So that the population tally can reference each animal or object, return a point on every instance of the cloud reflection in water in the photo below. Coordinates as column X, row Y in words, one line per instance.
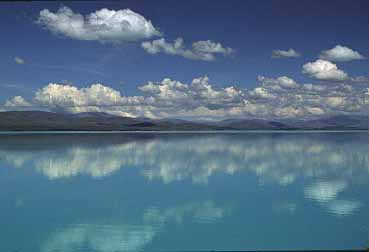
column 329, row 163
column 321, row 168
column 123, row 237
column 280, row 159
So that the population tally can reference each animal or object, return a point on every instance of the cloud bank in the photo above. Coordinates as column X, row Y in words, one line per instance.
column 280, row 97
column 201, row 50
column 102, row 25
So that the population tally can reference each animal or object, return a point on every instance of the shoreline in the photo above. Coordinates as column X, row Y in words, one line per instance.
column 178, row 131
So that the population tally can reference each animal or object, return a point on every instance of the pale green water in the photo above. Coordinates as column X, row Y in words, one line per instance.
column 165, row 192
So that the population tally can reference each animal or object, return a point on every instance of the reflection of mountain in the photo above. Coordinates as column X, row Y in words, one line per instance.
column 123, row 237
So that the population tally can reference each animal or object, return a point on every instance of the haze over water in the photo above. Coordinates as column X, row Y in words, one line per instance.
column 168, row 191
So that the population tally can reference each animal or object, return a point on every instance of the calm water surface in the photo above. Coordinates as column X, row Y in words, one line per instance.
column 165, row 192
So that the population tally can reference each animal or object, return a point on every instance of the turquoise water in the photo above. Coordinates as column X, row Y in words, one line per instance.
column 168, row 191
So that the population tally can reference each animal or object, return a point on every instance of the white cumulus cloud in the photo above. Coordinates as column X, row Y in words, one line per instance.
column 340, row 53
column 17, row 102
column 324, row 70
column 201, row 50
column 102, row 25
column 96, row 97
column 278, row 83
column 290, row 53
column 19, row 61
column 70, row 96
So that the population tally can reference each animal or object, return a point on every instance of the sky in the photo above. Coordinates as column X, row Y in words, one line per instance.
column 186, row 59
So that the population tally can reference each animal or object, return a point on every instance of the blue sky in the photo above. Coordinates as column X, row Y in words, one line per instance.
column 252, row 29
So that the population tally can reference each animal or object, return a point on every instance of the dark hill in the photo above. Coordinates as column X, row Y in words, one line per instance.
column 44, row 121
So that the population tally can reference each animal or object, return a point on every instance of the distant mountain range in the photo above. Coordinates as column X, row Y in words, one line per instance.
column 96, row 121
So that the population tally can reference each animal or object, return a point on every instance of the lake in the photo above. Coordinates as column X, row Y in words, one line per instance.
column 178, row 192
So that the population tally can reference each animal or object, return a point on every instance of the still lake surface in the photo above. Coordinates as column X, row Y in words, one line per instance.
column 175, row 192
